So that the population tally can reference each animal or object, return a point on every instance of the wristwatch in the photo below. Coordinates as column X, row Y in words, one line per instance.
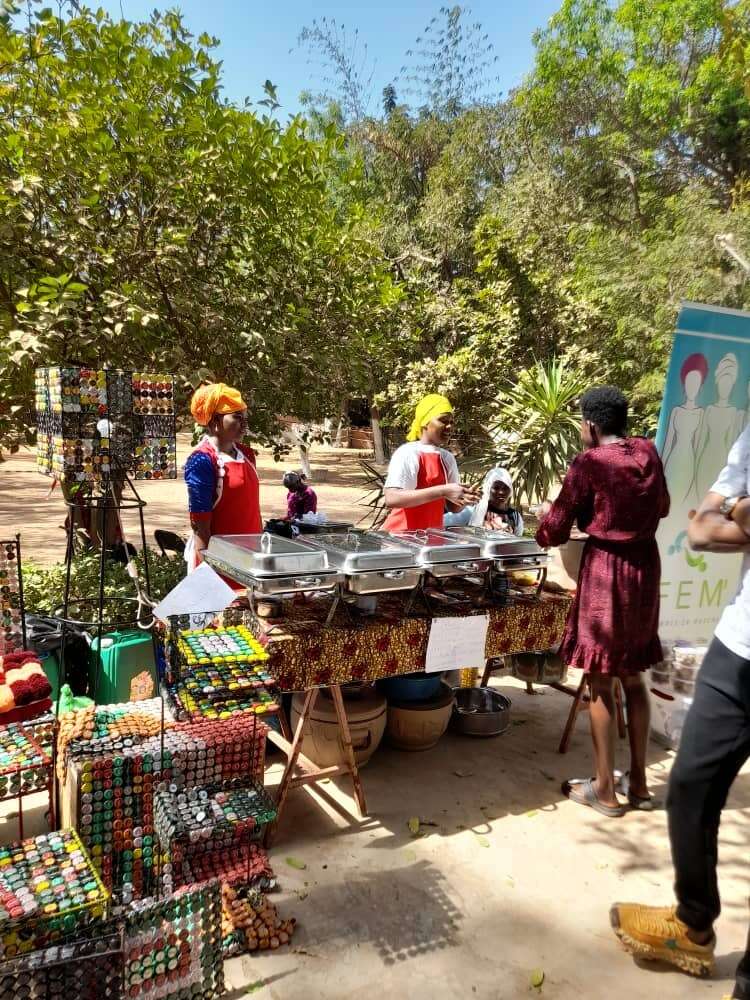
column 729, row 503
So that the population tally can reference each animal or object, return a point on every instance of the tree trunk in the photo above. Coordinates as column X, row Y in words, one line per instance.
column 304, row 459
column 377, row 436
column 338, row 441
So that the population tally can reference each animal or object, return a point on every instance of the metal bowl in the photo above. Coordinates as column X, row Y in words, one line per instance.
column 480, row 712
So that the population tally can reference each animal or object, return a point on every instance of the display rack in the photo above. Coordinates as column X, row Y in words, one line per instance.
column 173, row 946
column 90, row 969
column 25, row 768
column 94, row 424
column 12, row 617
column 217, row 673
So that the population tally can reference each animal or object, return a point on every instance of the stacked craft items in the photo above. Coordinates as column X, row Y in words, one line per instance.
column 219, row 673
column 88, row 969
column 119, row 777
column 11, row 597
column 95, row 423
column 204, row 829
column 173, row 946
column 49, row 890
column 25, row 768
column 24, row 688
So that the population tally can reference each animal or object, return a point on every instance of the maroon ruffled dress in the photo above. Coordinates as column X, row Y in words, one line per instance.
column 617, row 494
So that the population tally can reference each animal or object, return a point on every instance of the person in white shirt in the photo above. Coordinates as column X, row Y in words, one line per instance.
column 714, row 746
column 423, row 475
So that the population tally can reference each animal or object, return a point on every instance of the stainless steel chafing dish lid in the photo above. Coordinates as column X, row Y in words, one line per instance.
column 434, row 546
column 496, row 544
column 365, row 552
column 268, row 555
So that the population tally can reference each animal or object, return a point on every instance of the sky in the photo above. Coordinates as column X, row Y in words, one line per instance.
column 256, row 38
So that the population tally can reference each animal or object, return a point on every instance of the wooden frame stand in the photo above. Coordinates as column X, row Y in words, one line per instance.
column 309, row 772
column 581, row 701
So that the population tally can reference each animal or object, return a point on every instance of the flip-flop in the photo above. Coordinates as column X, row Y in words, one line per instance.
column 637, row 802
column 584, row 793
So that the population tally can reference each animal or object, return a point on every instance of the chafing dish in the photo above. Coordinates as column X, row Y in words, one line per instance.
column 495, row 544
column 270, row 565
column 442, row 555
column 507, row 552
column 371, row 563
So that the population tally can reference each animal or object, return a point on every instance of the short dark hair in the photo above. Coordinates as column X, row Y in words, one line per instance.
column 607, row 408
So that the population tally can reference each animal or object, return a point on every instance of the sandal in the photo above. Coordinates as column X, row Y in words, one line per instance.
column 584, row 793
column 637, row 802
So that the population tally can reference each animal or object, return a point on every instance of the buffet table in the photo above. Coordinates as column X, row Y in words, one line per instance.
column 306, row 655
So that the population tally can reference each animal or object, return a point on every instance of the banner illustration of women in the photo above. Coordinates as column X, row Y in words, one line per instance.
column 721, row 426
column 704, row 409
column 680, row 455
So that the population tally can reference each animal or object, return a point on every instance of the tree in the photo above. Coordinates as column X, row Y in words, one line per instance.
column 451, row 66
column 343, row 65
column 146, row 222
column 634, row 99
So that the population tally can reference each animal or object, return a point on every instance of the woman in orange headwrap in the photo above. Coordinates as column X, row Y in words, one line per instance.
column 223, row 488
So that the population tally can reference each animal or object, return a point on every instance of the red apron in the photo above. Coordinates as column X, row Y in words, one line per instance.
column 427, row 515
column 237, row 511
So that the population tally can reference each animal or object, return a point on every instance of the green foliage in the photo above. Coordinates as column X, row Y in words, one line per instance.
column 44, row 586
column 536, row 429
column 448, row 243
column 147, row 222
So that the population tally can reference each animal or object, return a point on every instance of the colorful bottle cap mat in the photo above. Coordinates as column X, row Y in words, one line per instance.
column 200, row 818
column 173, row 946
column 48, row 888
column 89, row 969
column 25, row 767
column 219, row 646
column 11, row 612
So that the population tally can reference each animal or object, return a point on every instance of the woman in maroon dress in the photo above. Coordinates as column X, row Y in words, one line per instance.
column 616, row 492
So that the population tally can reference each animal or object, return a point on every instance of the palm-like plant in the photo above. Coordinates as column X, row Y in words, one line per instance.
column 536, row 428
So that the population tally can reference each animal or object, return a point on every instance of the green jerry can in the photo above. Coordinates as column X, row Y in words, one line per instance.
column 123, row 656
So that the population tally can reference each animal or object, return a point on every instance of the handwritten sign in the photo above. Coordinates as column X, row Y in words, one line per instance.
column 456, row 643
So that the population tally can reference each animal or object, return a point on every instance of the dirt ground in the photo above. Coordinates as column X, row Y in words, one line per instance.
column 511, row 878
column 26, row 506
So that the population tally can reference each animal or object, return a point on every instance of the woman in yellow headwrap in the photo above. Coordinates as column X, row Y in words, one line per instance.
column 423, row 474
column 222, row 483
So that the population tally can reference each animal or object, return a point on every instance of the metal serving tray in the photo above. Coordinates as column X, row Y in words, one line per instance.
column 267, row 555
column 496, row 544
column 276, row 586
column 383, row 581
column 364, row 551
column 372, row 563
column 442, row 555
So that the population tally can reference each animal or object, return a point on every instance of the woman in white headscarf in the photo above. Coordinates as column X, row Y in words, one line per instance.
column 493, row 511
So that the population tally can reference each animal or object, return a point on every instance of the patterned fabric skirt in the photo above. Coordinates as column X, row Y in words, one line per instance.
column 613, row 626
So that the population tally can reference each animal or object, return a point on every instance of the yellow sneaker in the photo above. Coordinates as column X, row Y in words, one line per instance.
column 657, row 934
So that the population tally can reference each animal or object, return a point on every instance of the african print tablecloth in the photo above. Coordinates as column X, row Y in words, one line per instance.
column 304, row 654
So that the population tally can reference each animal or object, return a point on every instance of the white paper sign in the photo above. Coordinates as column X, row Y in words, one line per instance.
column 201, row 591
column 456, row 642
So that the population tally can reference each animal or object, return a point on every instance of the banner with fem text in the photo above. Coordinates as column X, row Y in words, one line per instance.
column 706, row 406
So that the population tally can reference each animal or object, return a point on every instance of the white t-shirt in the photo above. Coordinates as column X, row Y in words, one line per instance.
column 403, row 468
column 733, row 629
